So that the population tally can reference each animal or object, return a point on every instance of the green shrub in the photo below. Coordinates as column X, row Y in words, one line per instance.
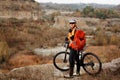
column 88, row 11
column 101, row 13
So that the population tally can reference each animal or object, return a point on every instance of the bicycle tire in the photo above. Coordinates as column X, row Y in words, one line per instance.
column 91, row 66
column 61, row 66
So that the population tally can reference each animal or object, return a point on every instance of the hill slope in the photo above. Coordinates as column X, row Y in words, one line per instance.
column 117, row 7
column 19, row 9
column 79, row 6
column 19, row 5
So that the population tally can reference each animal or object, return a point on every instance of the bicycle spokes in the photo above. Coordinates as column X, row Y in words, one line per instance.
column 61, row 61
column 91, row 64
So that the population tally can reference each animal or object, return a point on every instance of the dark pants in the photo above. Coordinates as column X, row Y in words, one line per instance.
column 74, row 56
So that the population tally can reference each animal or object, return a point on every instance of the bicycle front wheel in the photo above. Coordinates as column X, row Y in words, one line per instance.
column 92, row 64
column 61, row 61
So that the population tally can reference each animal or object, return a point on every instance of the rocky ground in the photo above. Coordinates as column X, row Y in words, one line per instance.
column 49, row 72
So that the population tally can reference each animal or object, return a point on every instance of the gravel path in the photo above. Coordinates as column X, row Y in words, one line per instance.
column 48, row 51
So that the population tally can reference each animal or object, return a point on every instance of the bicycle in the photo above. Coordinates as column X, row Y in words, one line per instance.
column 89, row 61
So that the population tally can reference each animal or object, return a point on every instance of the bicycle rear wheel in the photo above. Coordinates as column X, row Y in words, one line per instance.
column 61, row 61
column 92, row 64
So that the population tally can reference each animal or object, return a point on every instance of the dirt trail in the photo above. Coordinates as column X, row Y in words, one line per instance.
column 48, row 51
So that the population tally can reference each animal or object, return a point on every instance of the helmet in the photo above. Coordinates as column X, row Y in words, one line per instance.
column 72, row 21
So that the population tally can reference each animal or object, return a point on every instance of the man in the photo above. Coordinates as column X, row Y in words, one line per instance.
column 74, row 56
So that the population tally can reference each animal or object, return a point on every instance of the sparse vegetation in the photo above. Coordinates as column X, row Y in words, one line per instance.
column 39, row 33
column 26, row 58
column 21, row 36
column 73, row 7
column 19, row 5
column 89, row 11
column 115, row 28
column 101, row 38
column 77, row 13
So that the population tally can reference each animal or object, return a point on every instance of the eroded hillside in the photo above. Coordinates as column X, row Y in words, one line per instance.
column 23, row 29
column 19, row 9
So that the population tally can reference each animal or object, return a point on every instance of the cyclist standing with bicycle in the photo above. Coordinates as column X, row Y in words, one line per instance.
column 75, row 41
column 75, row 44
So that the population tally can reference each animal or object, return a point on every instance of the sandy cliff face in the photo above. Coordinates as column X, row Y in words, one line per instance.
column 19, row 9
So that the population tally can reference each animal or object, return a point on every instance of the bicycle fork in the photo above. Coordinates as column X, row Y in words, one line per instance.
column 65, row 58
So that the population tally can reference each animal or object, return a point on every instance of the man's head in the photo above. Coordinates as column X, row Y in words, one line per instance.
column 72, row 23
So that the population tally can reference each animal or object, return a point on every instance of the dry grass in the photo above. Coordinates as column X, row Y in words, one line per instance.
column 115, row 28
column 18, row 5
column 101, row 39
column 105, row 53
column 26, row 58
column 30, row 34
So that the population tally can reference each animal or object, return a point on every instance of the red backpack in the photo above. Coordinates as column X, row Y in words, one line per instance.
column 79, row 41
